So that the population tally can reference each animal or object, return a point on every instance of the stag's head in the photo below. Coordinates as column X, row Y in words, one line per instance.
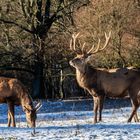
column 30, row 111
column 81, row 59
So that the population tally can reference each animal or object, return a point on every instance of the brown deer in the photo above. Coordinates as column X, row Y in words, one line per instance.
column 101, row 82
column 13, row 92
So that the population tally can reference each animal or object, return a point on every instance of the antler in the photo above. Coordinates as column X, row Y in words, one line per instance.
column 73, row 43
column 38, row 105
column 73, row 40
column 93, row 49
column 107, row 37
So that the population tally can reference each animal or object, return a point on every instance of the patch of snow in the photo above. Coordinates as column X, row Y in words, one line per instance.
column 56, row 122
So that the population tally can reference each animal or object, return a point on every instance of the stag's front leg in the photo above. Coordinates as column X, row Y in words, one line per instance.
column 11, row 114
column 101, row 103
column 95, row 100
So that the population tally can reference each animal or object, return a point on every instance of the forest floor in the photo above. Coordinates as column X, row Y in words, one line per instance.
column 73, row 120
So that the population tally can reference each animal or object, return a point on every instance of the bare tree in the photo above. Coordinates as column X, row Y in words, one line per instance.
column 35, row 19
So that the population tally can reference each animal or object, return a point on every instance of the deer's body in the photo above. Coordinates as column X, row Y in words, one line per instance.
column 100, row 82
column 8, row 91
column 13, row 92
column 116, row 84
column 112, row 84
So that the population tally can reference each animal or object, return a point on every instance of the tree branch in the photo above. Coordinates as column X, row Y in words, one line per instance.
column 16, row 69
column 16, row 24
column 60, row 8
column 47, row 8
column 39, row 10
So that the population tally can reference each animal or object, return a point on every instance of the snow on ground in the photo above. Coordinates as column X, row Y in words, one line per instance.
column 73, row 120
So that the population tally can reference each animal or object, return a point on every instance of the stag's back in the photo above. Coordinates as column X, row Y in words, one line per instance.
column 115, row 82
column 8, row 87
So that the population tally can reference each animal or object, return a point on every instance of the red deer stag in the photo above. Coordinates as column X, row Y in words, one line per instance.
column 13, row 92
column 100, row 82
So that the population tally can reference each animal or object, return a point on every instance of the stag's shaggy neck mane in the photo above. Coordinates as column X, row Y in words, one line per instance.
column 84, row 77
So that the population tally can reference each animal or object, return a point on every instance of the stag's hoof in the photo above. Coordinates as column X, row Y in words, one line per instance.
column 100, row 120
column 129, row 121
column 95, row 121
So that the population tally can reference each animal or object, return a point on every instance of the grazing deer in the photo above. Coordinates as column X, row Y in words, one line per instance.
column 100, row 82
column 13, row 92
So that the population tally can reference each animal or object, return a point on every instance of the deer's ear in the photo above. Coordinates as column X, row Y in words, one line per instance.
column 26, row 108
column 88, row 58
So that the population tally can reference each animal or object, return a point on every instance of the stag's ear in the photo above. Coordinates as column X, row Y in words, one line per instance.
column 88, row 57
column 25, row 108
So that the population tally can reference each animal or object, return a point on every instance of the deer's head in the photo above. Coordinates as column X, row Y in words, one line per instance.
column 81, row 59
column 30, row 111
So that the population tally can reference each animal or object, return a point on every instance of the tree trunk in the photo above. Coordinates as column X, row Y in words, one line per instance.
column 61, row 90
column 38, row 82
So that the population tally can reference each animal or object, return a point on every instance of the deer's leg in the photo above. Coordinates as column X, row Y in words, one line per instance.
column 135, row 106
column 136, row 119
column 11, row 114
column 136, row 115
column 9, row 118
column 101, row 102
column 95, row 100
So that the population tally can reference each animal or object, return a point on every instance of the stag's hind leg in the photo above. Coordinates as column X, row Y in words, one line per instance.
column 11, row 118
column 136, row 119
column 135, row 106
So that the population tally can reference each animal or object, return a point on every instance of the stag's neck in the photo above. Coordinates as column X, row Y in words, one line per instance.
column 80, row 74
column 85, row 76
column 26, row 100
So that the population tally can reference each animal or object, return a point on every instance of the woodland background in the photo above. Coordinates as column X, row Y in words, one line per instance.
column 35, row 36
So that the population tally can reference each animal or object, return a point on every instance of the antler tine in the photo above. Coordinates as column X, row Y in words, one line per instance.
column 71, row 44
column 97, row 48
column 74, row 36
column 93, row 46
column 83, row 47
column 38, row 105
column 107, row 37
column 107, row 40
